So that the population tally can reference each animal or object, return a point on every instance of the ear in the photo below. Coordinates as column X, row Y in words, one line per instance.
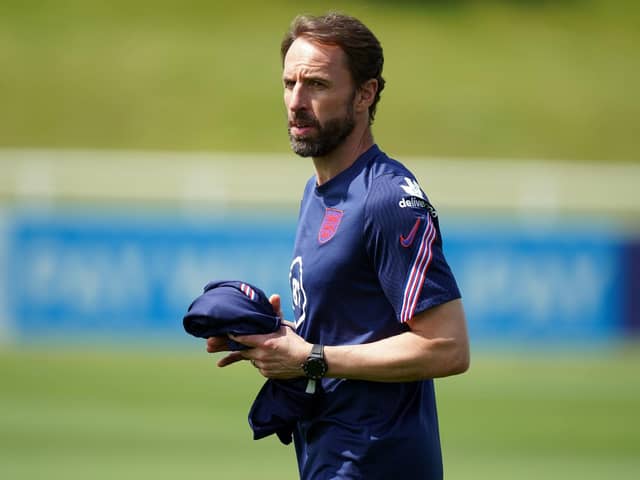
column 366, row 95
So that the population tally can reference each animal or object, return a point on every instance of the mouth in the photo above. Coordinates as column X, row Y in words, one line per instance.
column 300, row 130
column 301, row 127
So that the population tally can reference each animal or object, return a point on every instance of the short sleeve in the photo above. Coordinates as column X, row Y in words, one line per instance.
column 404, row 244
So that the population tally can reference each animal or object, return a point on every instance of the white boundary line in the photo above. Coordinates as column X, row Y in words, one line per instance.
column 235, row 179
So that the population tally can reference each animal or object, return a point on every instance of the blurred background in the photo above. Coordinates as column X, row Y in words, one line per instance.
column 143, row 152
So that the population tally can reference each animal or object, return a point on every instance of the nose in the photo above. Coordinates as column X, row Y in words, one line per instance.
column 296, row 98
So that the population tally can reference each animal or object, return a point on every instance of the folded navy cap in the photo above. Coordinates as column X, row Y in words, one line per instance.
column 230, row 306
column 240, row 308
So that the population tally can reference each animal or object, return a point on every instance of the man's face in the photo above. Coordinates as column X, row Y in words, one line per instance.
column 319, row 95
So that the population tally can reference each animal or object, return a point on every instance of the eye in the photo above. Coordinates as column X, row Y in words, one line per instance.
column 288, row 84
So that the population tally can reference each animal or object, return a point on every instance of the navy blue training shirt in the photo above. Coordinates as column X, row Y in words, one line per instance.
column 367, row 258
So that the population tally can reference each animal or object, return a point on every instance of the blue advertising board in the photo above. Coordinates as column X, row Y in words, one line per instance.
column 116, row 274
column 549, row 285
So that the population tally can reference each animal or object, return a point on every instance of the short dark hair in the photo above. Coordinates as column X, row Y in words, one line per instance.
column 364, row 52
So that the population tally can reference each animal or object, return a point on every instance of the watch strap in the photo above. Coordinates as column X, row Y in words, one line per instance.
column 317, row 350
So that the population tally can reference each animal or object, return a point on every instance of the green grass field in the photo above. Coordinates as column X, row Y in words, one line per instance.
column 170, row 413
column 495, row 78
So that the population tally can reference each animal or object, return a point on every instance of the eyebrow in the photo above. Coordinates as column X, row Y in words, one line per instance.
column 307, row 78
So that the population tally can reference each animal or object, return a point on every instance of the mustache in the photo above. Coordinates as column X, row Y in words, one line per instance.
column 303, row 118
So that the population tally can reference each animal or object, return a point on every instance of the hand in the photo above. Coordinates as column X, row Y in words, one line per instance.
column 277, row 309
column 276, row 355
column 217, row 344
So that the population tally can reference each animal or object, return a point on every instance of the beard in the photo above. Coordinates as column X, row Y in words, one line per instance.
column 329, row 136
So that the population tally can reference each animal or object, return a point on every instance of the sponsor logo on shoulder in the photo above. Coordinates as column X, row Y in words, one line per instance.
column 413, row 202
column 412, row 188
column 416, row 197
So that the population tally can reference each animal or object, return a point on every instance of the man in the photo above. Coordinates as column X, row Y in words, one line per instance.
column 378, row 314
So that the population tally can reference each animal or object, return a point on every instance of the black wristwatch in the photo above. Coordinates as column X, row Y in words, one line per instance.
column 315, row 367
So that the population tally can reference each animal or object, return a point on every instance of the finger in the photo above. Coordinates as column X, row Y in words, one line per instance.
column 276, row 303
column 249, row 340
column 216, row 340
column 217, row 344
column 229, row 359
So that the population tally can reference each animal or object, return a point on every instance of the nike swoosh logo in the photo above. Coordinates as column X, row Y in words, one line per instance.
column 408, row 240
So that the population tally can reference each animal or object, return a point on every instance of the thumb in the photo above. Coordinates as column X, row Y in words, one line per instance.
column 276, row 304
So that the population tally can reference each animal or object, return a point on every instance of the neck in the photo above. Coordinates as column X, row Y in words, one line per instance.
column 344, row 155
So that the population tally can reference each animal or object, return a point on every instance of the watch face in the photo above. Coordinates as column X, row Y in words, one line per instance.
column 315, row 368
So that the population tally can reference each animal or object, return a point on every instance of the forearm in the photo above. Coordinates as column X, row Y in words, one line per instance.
column 436, row 346
column 401, row 358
